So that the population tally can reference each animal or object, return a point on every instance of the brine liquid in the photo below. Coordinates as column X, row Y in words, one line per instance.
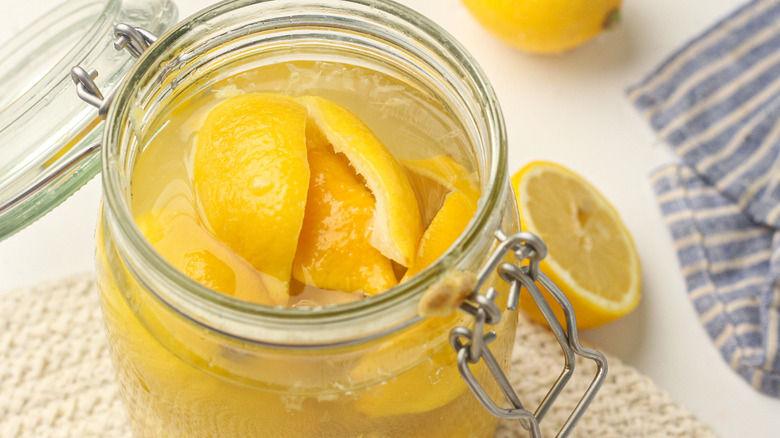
column 407, row 121
column 179, row 379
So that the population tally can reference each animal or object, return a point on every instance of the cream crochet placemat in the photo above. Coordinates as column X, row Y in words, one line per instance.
column 56, row 378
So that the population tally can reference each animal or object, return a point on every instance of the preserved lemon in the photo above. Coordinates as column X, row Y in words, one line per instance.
column 252, row 177
column 333, row 250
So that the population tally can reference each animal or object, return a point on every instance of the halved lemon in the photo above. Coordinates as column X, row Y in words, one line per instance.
column 591, row 255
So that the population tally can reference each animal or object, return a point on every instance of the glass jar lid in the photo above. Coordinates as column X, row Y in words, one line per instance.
column 48, row 136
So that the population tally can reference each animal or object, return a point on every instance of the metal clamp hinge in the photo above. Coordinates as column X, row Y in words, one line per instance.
column 135, row 40
column 471, row 345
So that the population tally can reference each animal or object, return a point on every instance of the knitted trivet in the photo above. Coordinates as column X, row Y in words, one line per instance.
column 56, row 378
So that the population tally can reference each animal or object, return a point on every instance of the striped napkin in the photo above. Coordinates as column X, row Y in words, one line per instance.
column 716, row 103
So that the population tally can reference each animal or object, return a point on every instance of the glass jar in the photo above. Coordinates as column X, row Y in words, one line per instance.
column 192, row 362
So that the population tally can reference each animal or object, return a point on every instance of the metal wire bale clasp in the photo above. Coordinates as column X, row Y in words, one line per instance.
column 471, row 345
column 133, row 39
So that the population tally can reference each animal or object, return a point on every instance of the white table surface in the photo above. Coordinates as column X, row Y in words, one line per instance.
column 570, row 109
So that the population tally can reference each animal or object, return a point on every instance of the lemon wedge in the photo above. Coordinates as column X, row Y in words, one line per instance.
column 436, row 176
column 435, row 381
column 397, row 224
column 591, row 255
column 251, row 177
column 333, row 249
column 181, row 240
column 444, row 229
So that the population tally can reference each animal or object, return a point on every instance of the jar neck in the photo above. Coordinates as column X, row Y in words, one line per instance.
column 377, row 34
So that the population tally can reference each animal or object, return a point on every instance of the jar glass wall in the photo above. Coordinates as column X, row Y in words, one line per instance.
column 193, row 362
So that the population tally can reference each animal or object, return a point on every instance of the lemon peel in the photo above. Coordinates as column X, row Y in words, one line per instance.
column 450, row 221
column 444, row 171
column 442, row 174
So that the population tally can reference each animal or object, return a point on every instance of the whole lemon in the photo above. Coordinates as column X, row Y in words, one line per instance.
column 545, row 26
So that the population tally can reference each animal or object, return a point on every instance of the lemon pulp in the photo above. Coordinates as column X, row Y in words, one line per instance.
column 333, row 250
column 591, row 255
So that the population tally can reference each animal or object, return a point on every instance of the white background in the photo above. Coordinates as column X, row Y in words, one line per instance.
column 570, row 109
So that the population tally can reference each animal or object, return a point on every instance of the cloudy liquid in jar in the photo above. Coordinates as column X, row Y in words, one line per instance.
column 178, row 379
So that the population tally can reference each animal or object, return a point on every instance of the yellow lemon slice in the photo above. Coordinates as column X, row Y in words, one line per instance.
column 333, row 249
column 545, row 26
column 396, row 225
column 251, row 176
column 591, row 255
column 446, row 226
column 181, row 240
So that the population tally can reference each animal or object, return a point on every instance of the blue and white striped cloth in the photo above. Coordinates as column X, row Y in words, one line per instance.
column 716, row 102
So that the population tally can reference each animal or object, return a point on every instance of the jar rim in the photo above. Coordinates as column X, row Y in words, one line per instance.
column 230, row 307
